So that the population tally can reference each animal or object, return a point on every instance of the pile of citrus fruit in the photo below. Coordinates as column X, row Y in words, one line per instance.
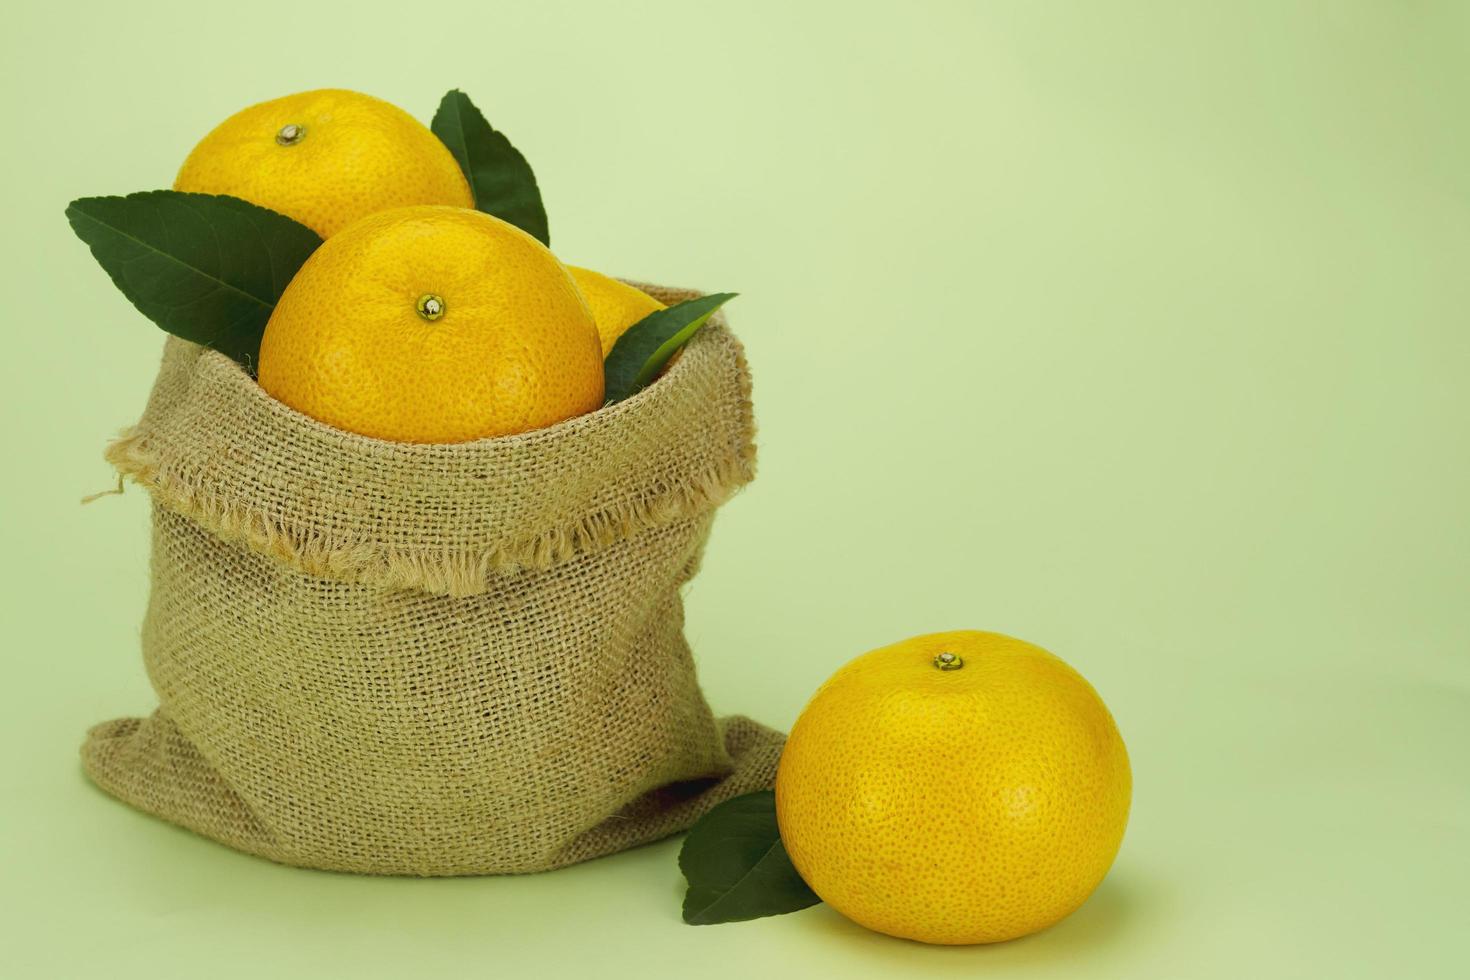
column 419, row 318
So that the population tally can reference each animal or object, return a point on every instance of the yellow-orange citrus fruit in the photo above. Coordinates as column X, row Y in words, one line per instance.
column 325, row 158
column 615, row 306
column 433, row 324
column 954, row 788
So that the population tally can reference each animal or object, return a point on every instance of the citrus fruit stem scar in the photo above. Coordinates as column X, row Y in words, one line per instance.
column 291, row 134
column 431, row 307
column 948, row 661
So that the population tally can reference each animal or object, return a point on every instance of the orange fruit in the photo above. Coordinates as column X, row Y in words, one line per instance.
column 954, row 788
column 325, row 158
column 433, row 324
column 615, row 306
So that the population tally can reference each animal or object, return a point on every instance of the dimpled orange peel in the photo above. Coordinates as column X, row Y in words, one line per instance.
column 433, row 325
column 955, row 788
column 325, row 158
column 615, row 305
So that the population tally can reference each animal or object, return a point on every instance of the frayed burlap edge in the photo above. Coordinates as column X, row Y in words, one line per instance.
column 370, row 563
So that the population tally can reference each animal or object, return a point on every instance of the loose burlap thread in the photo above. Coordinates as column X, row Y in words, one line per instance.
column 431, row 659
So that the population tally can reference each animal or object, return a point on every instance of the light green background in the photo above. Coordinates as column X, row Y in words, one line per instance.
column 1134, row 329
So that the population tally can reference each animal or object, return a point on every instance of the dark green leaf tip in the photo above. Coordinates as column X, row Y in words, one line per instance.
column 737, row 867
column 645, row 347
column 500, row 179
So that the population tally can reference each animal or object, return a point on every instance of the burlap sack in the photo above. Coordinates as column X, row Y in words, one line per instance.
column 430, row 660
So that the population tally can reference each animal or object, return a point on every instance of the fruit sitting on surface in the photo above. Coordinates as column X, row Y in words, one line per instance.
column 433, row 324
column 615, row 305
column 954, row 788
column 325, row 158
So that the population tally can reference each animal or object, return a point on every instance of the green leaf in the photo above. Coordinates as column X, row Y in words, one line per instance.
column 203, row 267
column 737, row 867
column 500, row 178
column 645, row 347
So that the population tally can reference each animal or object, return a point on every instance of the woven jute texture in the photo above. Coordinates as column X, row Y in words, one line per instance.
column 431, row 660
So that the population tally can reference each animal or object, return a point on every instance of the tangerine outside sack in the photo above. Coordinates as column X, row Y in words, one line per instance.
column 431, row 659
